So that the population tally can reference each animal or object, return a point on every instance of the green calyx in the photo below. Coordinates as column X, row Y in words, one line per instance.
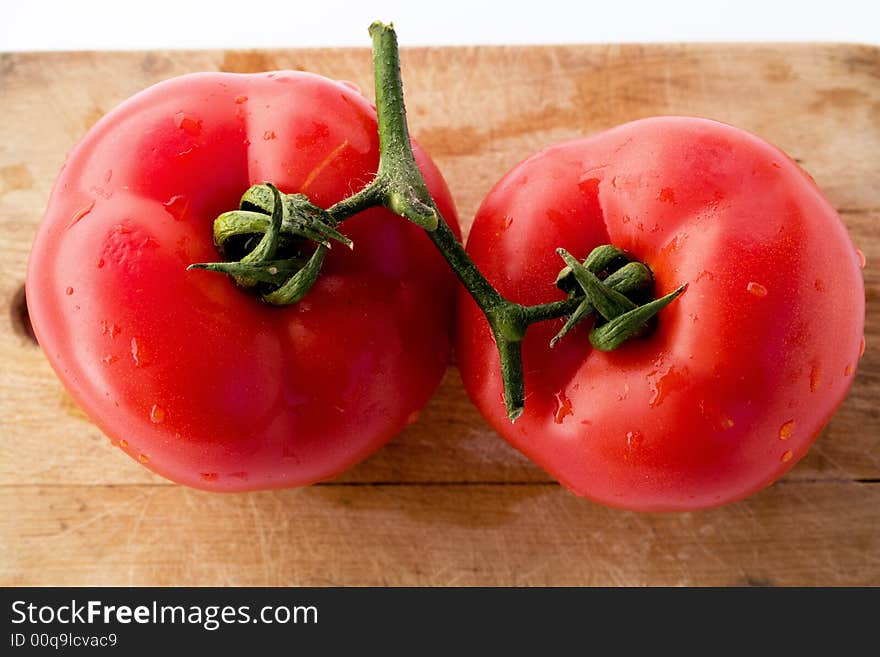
column 269, row 223
column 612, row 299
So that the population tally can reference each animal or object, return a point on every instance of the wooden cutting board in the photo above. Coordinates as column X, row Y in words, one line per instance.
column 447, row 502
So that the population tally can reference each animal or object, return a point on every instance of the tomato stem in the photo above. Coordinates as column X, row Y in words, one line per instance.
column 508, row 321
column 606, row 284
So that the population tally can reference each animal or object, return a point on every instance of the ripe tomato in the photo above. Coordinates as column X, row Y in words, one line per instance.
column 197, row 379
column 742, row 371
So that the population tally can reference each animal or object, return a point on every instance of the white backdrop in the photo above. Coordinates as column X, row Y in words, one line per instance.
column 126, row 24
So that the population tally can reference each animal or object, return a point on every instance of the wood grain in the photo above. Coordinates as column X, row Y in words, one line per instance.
column 532, row 534
column 447, row 502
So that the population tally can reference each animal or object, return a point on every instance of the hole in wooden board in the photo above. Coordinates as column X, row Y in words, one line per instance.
column 21, row 319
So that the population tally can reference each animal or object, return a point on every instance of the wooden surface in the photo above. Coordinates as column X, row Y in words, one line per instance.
column 447, row 502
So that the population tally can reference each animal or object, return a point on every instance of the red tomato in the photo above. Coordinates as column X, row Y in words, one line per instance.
column 195, row 378
column 742, row 371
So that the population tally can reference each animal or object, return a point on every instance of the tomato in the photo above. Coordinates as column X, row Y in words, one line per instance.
column 190, row 375
column 742, row 370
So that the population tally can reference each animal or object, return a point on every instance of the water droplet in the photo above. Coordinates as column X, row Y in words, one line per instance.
column 563, row 407
column 848, row 369
column 589, row 184
column 667, row 382
column 786, row 456
column 82, row 212
column 190, row 124
column 860, row 255
column 786, row 430
column 123, row 443
column 814, row 379
column 143, row 458
column 412, row 418
column 100, row 191
column 157, row 414
column 666, row 195
column 634, row 439
column 240, row 99
column 756, row 289
column 68, row 291
column 139, row 353
column 109, row 359
column 269, row 134
column 506, row 222
column 671, row 247
column 625, row 392
column 209, row 476
column 177, row 206
column 101, row 263
column 862, row 347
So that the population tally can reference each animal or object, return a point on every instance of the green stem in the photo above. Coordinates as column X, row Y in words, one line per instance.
column 553, row 310
column 487, row 297
column 368, row 197
column 412, row 199
column 407, row 194
column 400, row 187
column 510, row 353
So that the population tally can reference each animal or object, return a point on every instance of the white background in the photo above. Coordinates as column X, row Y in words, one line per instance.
column 124, row 24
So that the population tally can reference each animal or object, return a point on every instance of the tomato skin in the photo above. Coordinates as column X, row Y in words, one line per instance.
column 197, row 379
column 743, row 370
